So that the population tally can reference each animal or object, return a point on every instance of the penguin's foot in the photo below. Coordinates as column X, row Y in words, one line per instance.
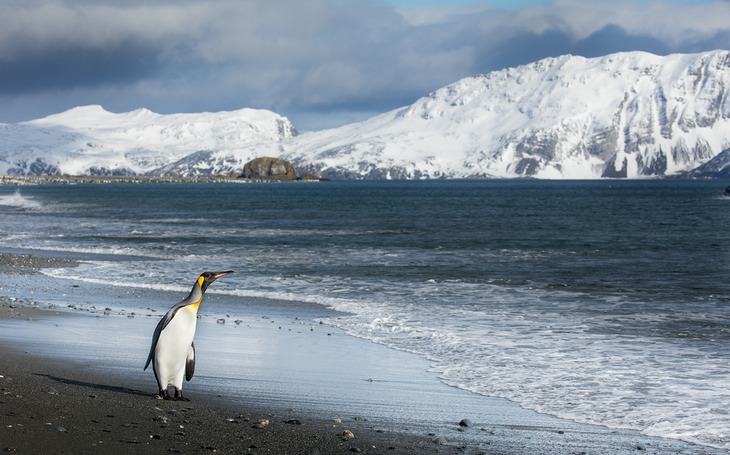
column 179, row 396
column 163, row 395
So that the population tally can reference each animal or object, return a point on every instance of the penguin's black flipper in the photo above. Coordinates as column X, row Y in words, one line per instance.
column 190, row 363
column 155, row 337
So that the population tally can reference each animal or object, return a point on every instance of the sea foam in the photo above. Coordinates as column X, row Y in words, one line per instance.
column 20, row 201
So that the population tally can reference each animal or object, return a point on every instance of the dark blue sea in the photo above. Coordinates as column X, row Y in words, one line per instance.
column 605, row 302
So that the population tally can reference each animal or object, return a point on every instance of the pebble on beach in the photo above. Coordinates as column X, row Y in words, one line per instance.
column 465, row 423
column 263, row 423
column 440, row 440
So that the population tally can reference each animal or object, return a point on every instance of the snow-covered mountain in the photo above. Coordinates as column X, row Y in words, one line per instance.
column 623, row 115
column 90, row 140
column 626, row 115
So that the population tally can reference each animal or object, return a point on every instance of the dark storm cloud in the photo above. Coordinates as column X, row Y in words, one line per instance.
column 65, row 68
column 348, row 58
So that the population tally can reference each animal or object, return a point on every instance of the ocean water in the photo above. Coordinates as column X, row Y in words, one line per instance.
column 604, row 302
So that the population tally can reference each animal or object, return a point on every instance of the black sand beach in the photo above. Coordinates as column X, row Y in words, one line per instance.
column 66, row 406
column 71, row 382
column 58, row 407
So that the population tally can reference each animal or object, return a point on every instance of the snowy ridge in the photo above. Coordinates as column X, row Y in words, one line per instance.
column 90, row 140
column 624, row 115
column 627, row 115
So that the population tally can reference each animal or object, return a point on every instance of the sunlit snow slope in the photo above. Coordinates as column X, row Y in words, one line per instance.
column 90, row 140
column 628, row 115
column 624, row 115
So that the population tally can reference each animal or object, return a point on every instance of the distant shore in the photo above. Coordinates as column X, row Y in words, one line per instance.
column 19, row 180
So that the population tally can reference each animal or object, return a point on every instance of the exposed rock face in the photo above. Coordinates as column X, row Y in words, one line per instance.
column 718, row 167
column 37, row 167
column 268, row 168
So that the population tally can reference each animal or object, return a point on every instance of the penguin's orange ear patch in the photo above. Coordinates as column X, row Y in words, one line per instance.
column 200, row 280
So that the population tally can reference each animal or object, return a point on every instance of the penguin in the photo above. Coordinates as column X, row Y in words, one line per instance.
column 172, row 352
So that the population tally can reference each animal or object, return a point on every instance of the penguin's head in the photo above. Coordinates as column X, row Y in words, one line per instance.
column 206, row 278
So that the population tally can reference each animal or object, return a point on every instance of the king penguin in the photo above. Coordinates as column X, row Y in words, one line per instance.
column 172, row 352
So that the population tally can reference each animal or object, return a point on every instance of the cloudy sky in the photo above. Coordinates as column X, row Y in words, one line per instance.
column 322, row 63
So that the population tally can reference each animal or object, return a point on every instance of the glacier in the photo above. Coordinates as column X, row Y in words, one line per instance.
column 625, row 115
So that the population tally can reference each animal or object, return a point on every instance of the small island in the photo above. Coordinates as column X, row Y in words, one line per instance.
column 267, row 168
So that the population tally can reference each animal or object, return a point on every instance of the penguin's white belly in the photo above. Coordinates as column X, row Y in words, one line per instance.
column 173, row 345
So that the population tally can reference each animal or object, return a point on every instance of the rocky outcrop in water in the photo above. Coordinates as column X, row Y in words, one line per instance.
column 268, row 168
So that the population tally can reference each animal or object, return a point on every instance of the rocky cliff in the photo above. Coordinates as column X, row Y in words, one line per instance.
column 268, row 168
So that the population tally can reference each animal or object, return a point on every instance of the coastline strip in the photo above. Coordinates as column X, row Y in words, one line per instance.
column 83, row 400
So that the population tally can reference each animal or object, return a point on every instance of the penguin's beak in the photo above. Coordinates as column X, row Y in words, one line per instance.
column 220, row 274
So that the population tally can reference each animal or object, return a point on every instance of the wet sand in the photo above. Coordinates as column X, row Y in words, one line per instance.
column 52, row 403
column 275, row 382
column 58, row 407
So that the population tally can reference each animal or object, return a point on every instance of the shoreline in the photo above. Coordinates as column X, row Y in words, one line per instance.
column 272, row 366
column 52, row 406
